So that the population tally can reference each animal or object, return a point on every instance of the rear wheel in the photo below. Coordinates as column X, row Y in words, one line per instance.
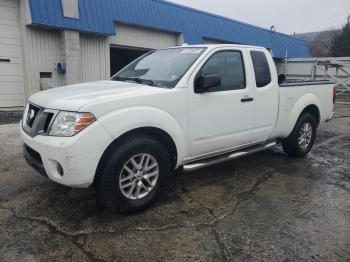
column 134, row 175
column 301, row 140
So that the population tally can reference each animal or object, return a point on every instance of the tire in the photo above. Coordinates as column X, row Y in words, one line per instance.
column 114, row 186
column 303, row 132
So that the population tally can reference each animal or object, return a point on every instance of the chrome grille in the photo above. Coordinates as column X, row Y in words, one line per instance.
column 31, row 114
column 38, row 120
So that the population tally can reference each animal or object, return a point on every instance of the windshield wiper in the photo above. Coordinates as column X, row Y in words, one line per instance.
column 137, row 80
column 144, row 81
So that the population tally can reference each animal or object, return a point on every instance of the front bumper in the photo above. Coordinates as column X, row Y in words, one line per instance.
column 78, row 156
column 33, row 159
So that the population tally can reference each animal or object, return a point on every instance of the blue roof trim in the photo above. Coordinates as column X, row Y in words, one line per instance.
column 99, row 16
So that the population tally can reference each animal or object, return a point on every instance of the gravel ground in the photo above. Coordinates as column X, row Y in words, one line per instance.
column 265, row 207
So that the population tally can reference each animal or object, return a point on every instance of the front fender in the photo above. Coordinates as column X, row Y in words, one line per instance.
column 124, row 120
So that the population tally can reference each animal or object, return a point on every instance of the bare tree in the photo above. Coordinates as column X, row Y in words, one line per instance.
column 341, row 44
column 321, row 45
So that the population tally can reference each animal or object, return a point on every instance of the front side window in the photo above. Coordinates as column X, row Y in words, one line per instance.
column 228, row 65
column 162, row 68
column 261, row 68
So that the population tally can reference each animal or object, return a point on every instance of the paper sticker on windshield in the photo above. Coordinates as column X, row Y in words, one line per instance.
column 191, row 51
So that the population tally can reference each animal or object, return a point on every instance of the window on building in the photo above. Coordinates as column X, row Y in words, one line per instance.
column 229, row 66
column 261, row 68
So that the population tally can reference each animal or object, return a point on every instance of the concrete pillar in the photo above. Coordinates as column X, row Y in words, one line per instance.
column 71, row 55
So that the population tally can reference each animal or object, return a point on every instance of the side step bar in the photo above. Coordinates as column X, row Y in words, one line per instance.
column 226, row 157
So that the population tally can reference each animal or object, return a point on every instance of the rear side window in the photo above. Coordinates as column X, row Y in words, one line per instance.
column 261, row 68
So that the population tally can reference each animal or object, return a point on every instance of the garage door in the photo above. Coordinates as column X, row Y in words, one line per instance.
column 121, row 56
column 133, row 41
column 11, row 71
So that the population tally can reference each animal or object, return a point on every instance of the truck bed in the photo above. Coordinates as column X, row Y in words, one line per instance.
column 294, row 96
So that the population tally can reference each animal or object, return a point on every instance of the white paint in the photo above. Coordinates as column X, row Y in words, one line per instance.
column 266, row 102
column 213, row 117
column 209, row 124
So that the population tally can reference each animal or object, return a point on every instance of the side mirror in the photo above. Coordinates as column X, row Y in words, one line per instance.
column 204, row 83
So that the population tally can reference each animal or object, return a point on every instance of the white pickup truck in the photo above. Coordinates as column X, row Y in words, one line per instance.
column 183, row 107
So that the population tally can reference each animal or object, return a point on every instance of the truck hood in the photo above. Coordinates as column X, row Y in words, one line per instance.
column 73, row 97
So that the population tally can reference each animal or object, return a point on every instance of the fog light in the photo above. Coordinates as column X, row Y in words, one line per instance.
column 60, row 169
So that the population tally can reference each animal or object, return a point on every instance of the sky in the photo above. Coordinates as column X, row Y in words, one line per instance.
column 288, row 16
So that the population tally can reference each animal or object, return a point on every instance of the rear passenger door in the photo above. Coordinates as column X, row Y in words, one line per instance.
column 222, row 118
column 266, row 95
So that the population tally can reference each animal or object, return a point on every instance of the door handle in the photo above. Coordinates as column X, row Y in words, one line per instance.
column 247, row 99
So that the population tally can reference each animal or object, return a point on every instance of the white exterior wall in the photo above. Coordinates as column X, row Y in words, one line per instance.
column 135, row 36
column 41, row 53
column 43, row 49
column 95, row 58
column 208, row 41
column 70, row 55
column 95, row 53
column 11, row 73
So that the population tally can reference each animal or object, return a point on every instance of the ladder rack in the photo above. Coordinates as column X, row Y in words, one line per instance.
column 340, row 64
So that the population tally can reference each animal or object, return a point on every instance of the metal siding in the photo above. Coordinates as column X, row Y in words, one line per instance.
column 94, row 55
column 11, row 73
column 42, row 53
column 129, row 35
column 99, row 16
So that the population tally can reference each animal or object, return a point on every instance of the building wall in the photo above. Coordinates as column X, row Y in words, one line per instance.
column 41, row 53
column 70, row 57
column 87, row 56
column 95, row 50
column 136, row 36
column 99, row 16
column 209, row 41
column 11, row 68
column 94, row 57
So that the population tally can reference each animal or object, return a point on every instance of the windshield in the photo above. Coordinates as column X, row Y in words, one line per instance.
column 162, row 68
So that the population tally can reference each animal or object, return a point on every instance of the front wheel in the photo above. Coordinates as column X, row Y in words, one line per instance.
column 134, row 176
column 301, row 140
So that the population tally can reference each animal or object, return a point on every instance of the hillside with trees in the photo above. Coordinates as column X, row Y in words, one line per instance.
column 330, row 42
column 341, row 43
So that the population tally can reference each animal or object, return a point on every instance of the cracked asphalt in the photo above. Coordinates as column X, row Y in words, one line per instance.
column 265, row 207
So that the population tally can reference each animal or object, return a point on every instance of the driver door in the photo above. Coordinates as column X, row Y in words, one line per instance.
column 222, row 118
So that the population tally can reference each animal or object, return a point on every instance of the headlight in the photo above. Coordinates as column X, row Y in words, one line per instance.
column 70, row 123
